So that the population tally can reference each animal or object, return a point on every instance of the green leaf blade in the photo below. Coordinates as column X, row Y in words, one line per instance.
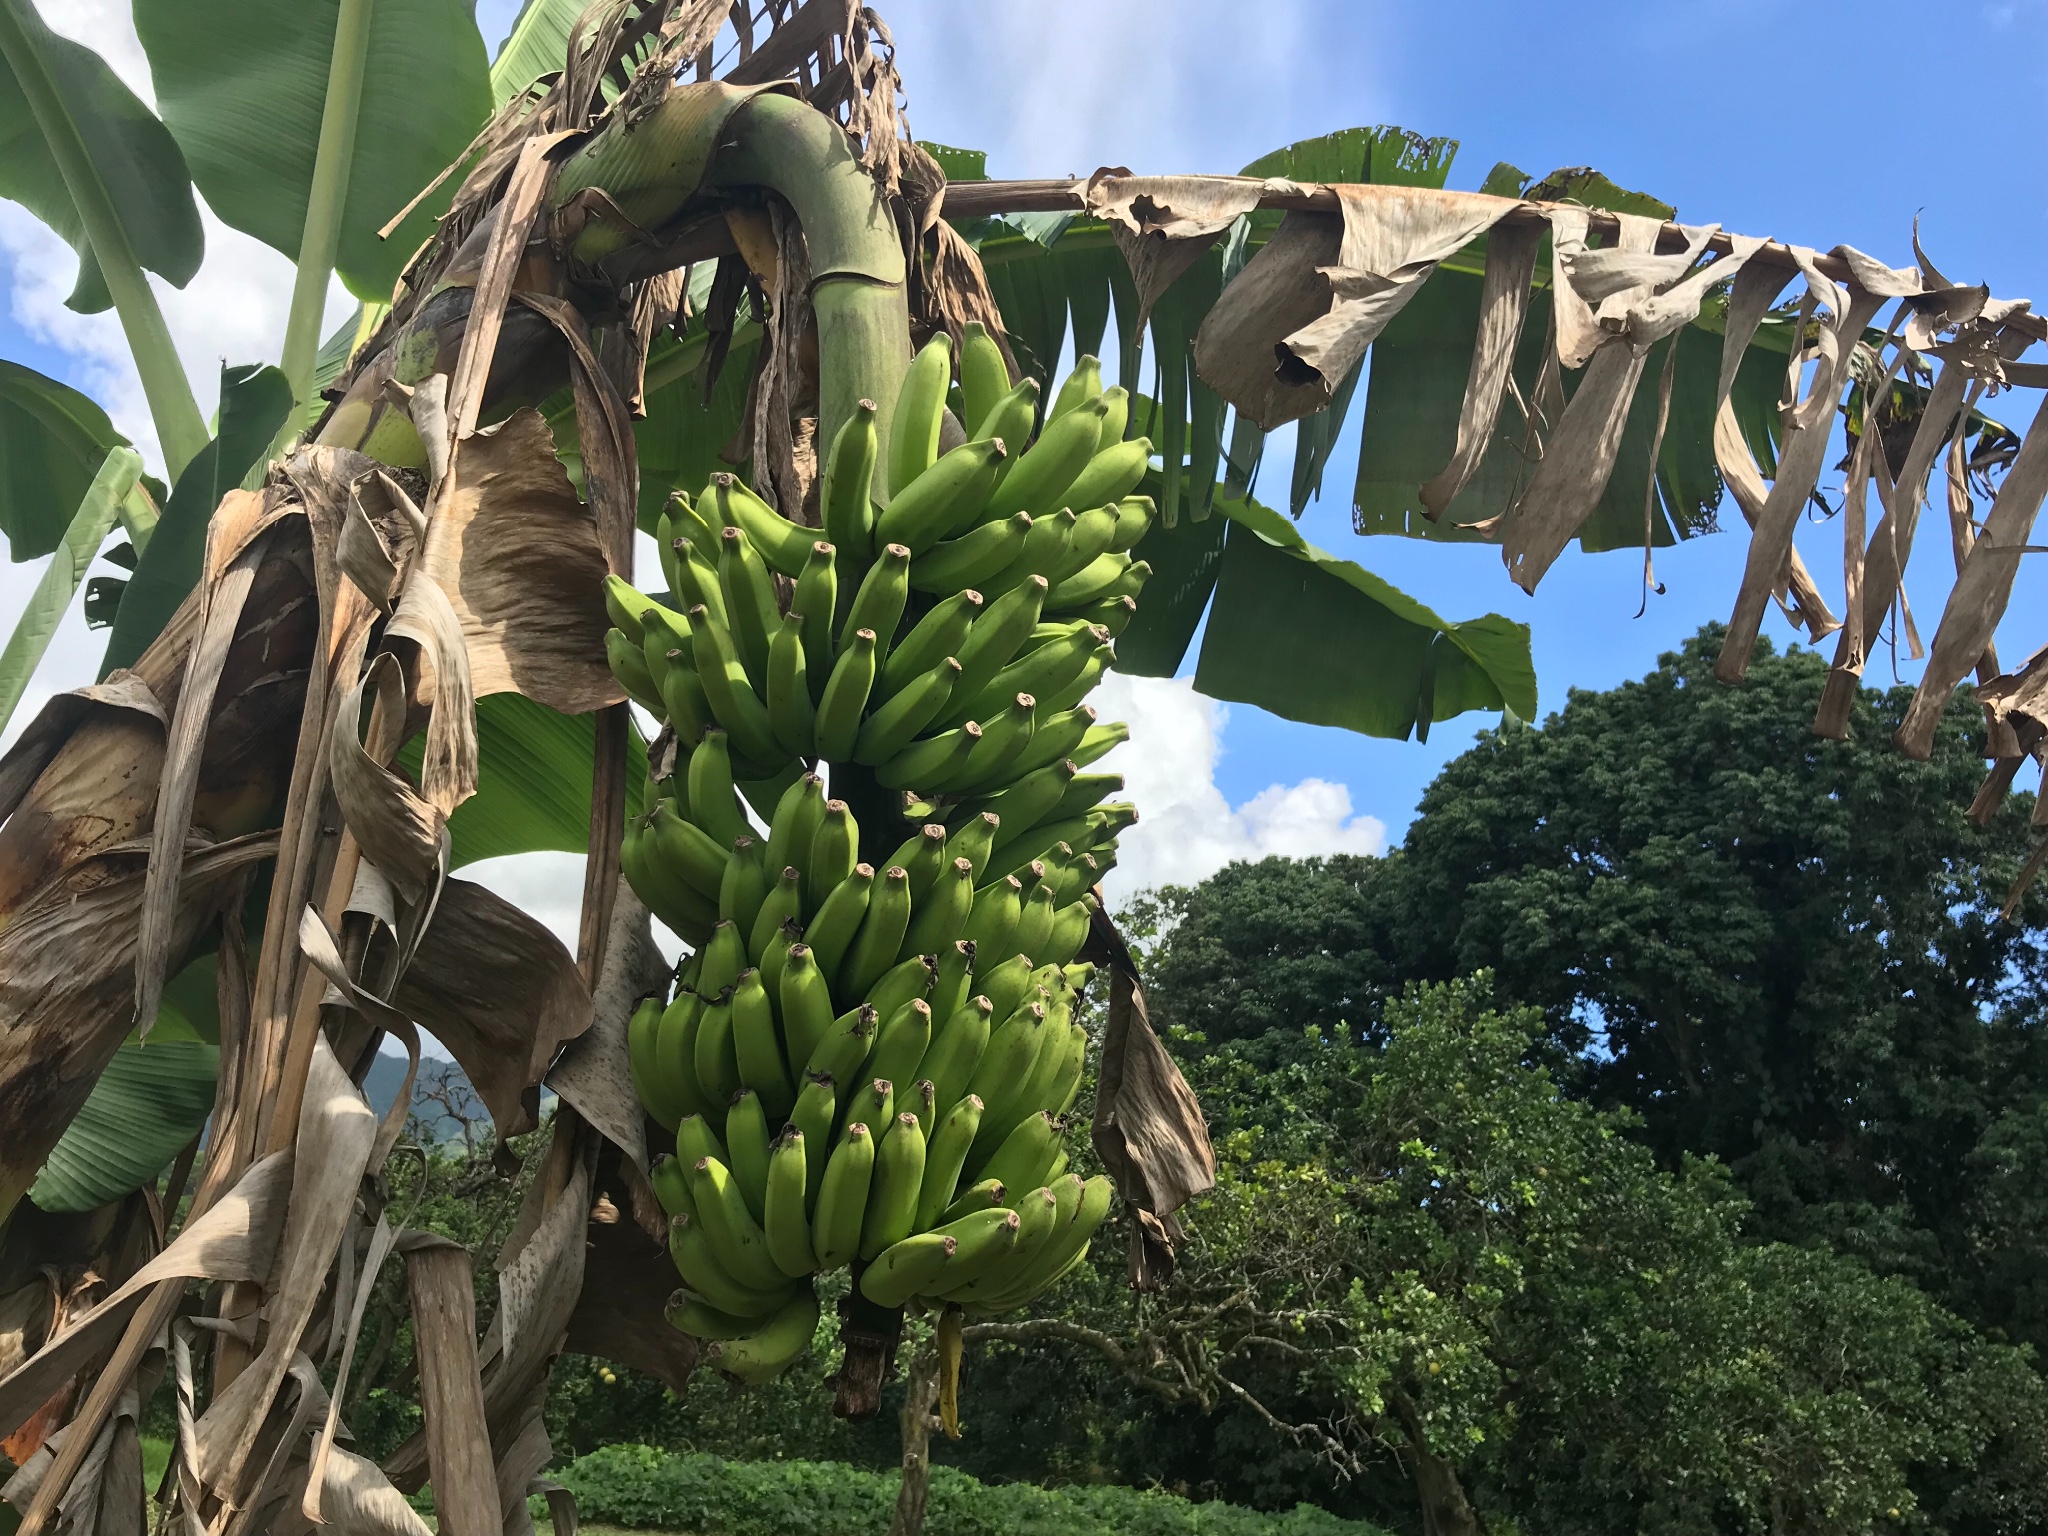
column 53, row 441
column 153, row 1098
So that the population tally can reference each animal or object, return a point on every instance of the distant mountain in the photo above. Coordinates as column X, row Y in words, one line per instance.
column 387, row 1076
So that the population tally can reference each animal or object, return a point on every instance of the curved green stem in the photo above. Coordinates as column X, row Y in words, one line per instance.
column 321, row 236
column 180, row 427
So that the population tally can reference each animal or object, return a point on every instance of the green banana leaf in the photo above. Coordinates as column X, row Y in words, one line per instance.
column 243, row 83
column 98, row 510
column 53, row 441
column 131, row 152
column 536, row 46
column 254, row 402
column 152, row 1099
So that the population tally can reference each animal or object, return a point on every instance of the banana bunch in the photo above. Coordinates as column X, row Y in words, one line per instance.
column 865, row 1061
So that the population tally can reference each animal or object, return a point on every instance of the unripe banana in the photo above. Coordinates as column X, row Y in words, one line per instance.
column 920, row 405
column 1022, row 1157
column 724, row 957
column 671, row 1186
column 785, row 1218
column 642, row 1030
column 783, row 903
column 749, row 600
column 700, row 1320
column 1134, row 516
column 1028, row 802
column 846, row 499
column 1116, row 416
column 984, row 375
column 873, row 1103
column 879, row 602
column 972, row 558
column 688, row 522
column 817, row 1110
column 757, row 1050
column 907, row 1268
column 1012, row 418
column 954, row 979
column 777, row 955
column 677, row 1093
column 689, row 1247
column 806, row 999
column 992, row 922
column 880, row 938
column 945, row 1156
column 1066, row 1085
column 1005, row 738
column 937, row 635
column 746, row 1139
column 923, row 1103
column 1113, row 614
column 1047, row 1085
column 896, row 723
column 1057, row 735
column 1076, row 688
column 630, row 668
column 1044, row 552
column 987, row 1244
column 625, row 603
column 736, row 1238
column 1133, row 580
column 696, row 579
column 1007, row 986
column 832, row 929
column 996, row 638
column 745, row 885
column 846, row 696
column 714, row 803
column 988, row 1195
column 1044, row 674
column 1039, row 482
column 941, row 917
column 713, row 1058
column 1034, row 923
column 792, row 715
column 782, row 543
column 1094, row 527
column 1100, row 741
column 795, row 823
column 1070, row 929
column 730, row 690
column 844, row 1050
column 767, row 1353
column 834, row 852
column 817, row 599
column 911, row 978
column 893, row 1191
column 1085, row 792
column 922, row 855
column 901, row 1042
column 930, row 760
column 1065, row 1251
column 843, row 1199
column 687, row 849
column 945, row 499
column 683, row 696
column 974, row 840
column 1081, row 386
column 1093, row 583
column 668, row 547
column 1112, row 474
column 998, row 1081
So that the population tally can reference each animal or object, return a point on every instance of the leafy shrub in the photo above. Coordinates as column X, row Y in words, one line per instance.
column 641, row 1487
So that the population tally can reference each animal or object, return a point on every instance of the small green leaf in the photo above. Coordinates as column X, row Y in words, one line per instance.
column 958, row 164
column 152, row 1099
column 537, row 45
column 132, row 154
column 243, row 83
column 53, row 441
column 254, row 402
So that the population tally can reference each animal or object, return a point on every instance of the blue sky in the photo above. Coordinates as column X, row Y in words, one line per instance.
column 1816, row 123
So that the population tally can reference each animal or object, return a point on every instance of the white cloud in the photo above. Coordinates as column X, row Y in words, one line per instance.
column 1187, row 828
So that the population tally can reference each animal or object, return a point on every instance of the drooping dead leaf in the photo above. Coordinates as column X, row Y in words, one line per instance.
column 400, row 832
column 594, row 1076
column 1163, row 224
column 1503, row 307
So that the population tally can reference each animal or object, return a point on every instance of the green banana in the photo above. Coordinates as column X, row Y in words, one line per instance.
column 1116, row 418
column 784, row 903
column 896, row 723
column 696, row 579
column 880, row 938
column 844, row 1050
column 690, row 524
column 920, row 406
column 893, row 1190
column 946, row 498
column 1090, row 583
column 776, row 956
column 671, row 1186
column 1134, row 516
column 794, row 824
column 782, row 543
column 929, row 760
column 1041, row 673
column 1133, row 580
column 700, row 1320
column 746, row 1138
column 1099, row 741
column 757, row 1048
column 999, row 1079
column 973, row 557
column 624, row 603
column 1070, row 929
column 941, row 917
column 846, row 499
column 1112, row 474
column 1084, row 792
column 1080, row 386
column 1021, row 1157
column 712, row 1055
column 677, row 852
column 677, row 1094
column 767, row 1353
column 846, row 696
column 907, row 979
column 873, row 1104
column 997, row 636
column 683, row 696
column 1037, row 1219
column 1079, row 1208
column 1006, row 986
column 993, row 919
column 838, row 919
column 668, row 542
column 834, row 852
column 924, row 1102
column 816, row 600
column 843, row 1199
column 957, row 1046
column 1066, row 1087
column 955, row 976
column 907, row 1268
column 714, row 803
column 1077, row 833
column 974, row 840
column 987, row 1244
column 749, row 600
column 1029, row 801
column 1012, row 418
column 792, row 715
column 988, row 1195
column 937, row 635
column 1093, row 529
column 1044, row 552
column 1046, row 1087
column 806, row 999
column 643, row 1029
column 736, row 1238
column 1113, row 614
column 879, row 603
column 630, row 668
column 922, row 855
column 901, row 1042
column 1076, row 688
column 984, row 375
column 785, row 1217
column 690, row 1249
column 744, row 887
column 1057, row 736
column 817, row 1107
column 1005, row 739
column 1039, row 482
column 945, row 1156
column 730, row 690
column 1034, row 924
